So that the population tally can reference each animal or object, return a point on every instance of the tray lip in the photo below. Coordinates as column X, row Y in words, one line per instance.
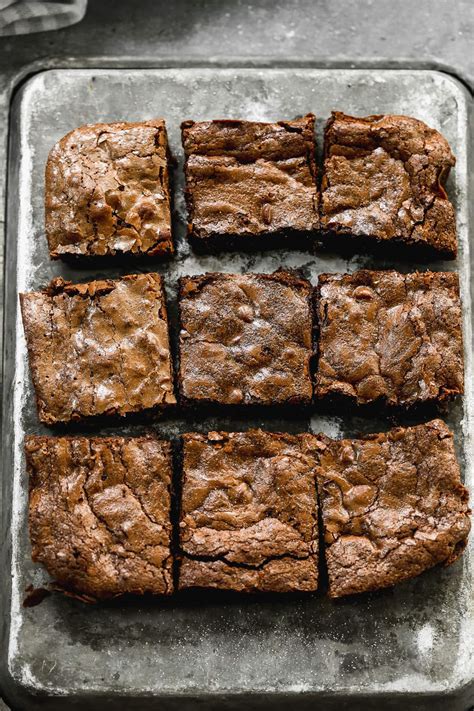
column 29, row 70
column 9, row 681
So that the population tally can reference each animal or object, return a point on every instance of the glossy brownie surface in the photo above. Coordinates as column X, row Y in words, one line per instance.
column 392, row 506
column 245, row 339
column 389, row 336
column 245, row 178
column 98, row 348
column 99, row 513
column 107, row 191
column 249, row 513
column 384, row 179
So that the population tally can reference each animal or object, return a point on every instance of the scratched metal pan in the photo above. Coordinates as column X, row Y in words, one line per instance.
column 410, row 647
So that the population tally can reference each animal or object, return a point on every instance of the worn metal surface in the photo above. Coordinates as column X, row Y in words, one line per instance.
column 411, row 645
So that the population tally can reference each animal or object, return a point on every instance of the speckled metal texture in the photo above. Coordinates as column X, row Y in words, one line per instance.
column 410, row 647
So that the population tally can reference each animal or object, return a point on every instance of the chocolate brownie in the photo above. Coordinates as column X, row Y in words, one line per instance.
column 390, row 336
column 392, row 506
column 384, row 180
column 248, row 512
column 245, row 339
column 249, row 179
column 99, row 348
column 107, row 191
column 99, row 513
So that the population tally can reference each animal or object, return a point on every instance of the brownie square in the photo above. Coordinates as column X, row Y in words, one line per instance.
column 99, row 513
column 384, row 180
column 248, row 512
column 107, row 191
column 245, row 339
column 99, row 348
column 392, row 506
column 390, row 337
column 249, row 179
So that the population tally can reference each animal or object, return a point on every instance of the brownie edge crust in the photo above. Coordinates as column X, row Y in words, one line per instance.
column 107, row 191
column 384, row 180
column 99, row 513
column 393, row 505
column 248, row 518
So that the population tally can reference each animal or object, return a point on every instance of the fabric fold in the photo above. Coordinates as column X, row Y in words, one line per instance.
column 21, row 17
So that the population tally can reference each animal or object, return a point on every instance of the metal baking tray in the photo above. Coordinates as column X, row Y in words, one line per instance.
column 410, row 647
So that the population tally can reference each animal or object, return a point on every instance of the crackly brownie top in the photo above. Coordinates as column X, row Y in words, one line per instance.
column 390, row 335
column 107, row 191
column 392, row 506
column 98, row 348
column 384, row 176
column 245, row 338
column 99, row 513
column 248, row 518
column 249, row 178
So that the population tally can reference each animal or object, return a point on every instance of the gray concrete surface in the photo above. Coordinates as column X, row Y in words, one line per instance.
column 322, row 31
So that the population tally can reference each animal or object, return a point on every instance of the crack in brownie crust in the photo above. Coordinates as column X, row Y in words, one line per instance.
column 98, row 348
column 247, row 179
column 249, row 515
column 388, row 335
column 99, row 513
column 107, row 191
column 246, row 338
column 384, row 177
column 392, row 506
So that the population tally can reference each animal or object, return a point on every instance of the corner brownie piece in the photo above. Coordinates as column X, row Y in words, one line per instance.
column 248, row 513
column 99, row 513
column 392, row 506
column 249, row 179
column 390, row 336
column 99, row 348
column 245, row 339
column 384, row 179
column 107, row 191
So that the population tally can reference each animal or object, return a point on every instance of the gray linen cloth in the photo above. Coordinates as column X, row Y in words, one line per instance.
column 20, row 17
